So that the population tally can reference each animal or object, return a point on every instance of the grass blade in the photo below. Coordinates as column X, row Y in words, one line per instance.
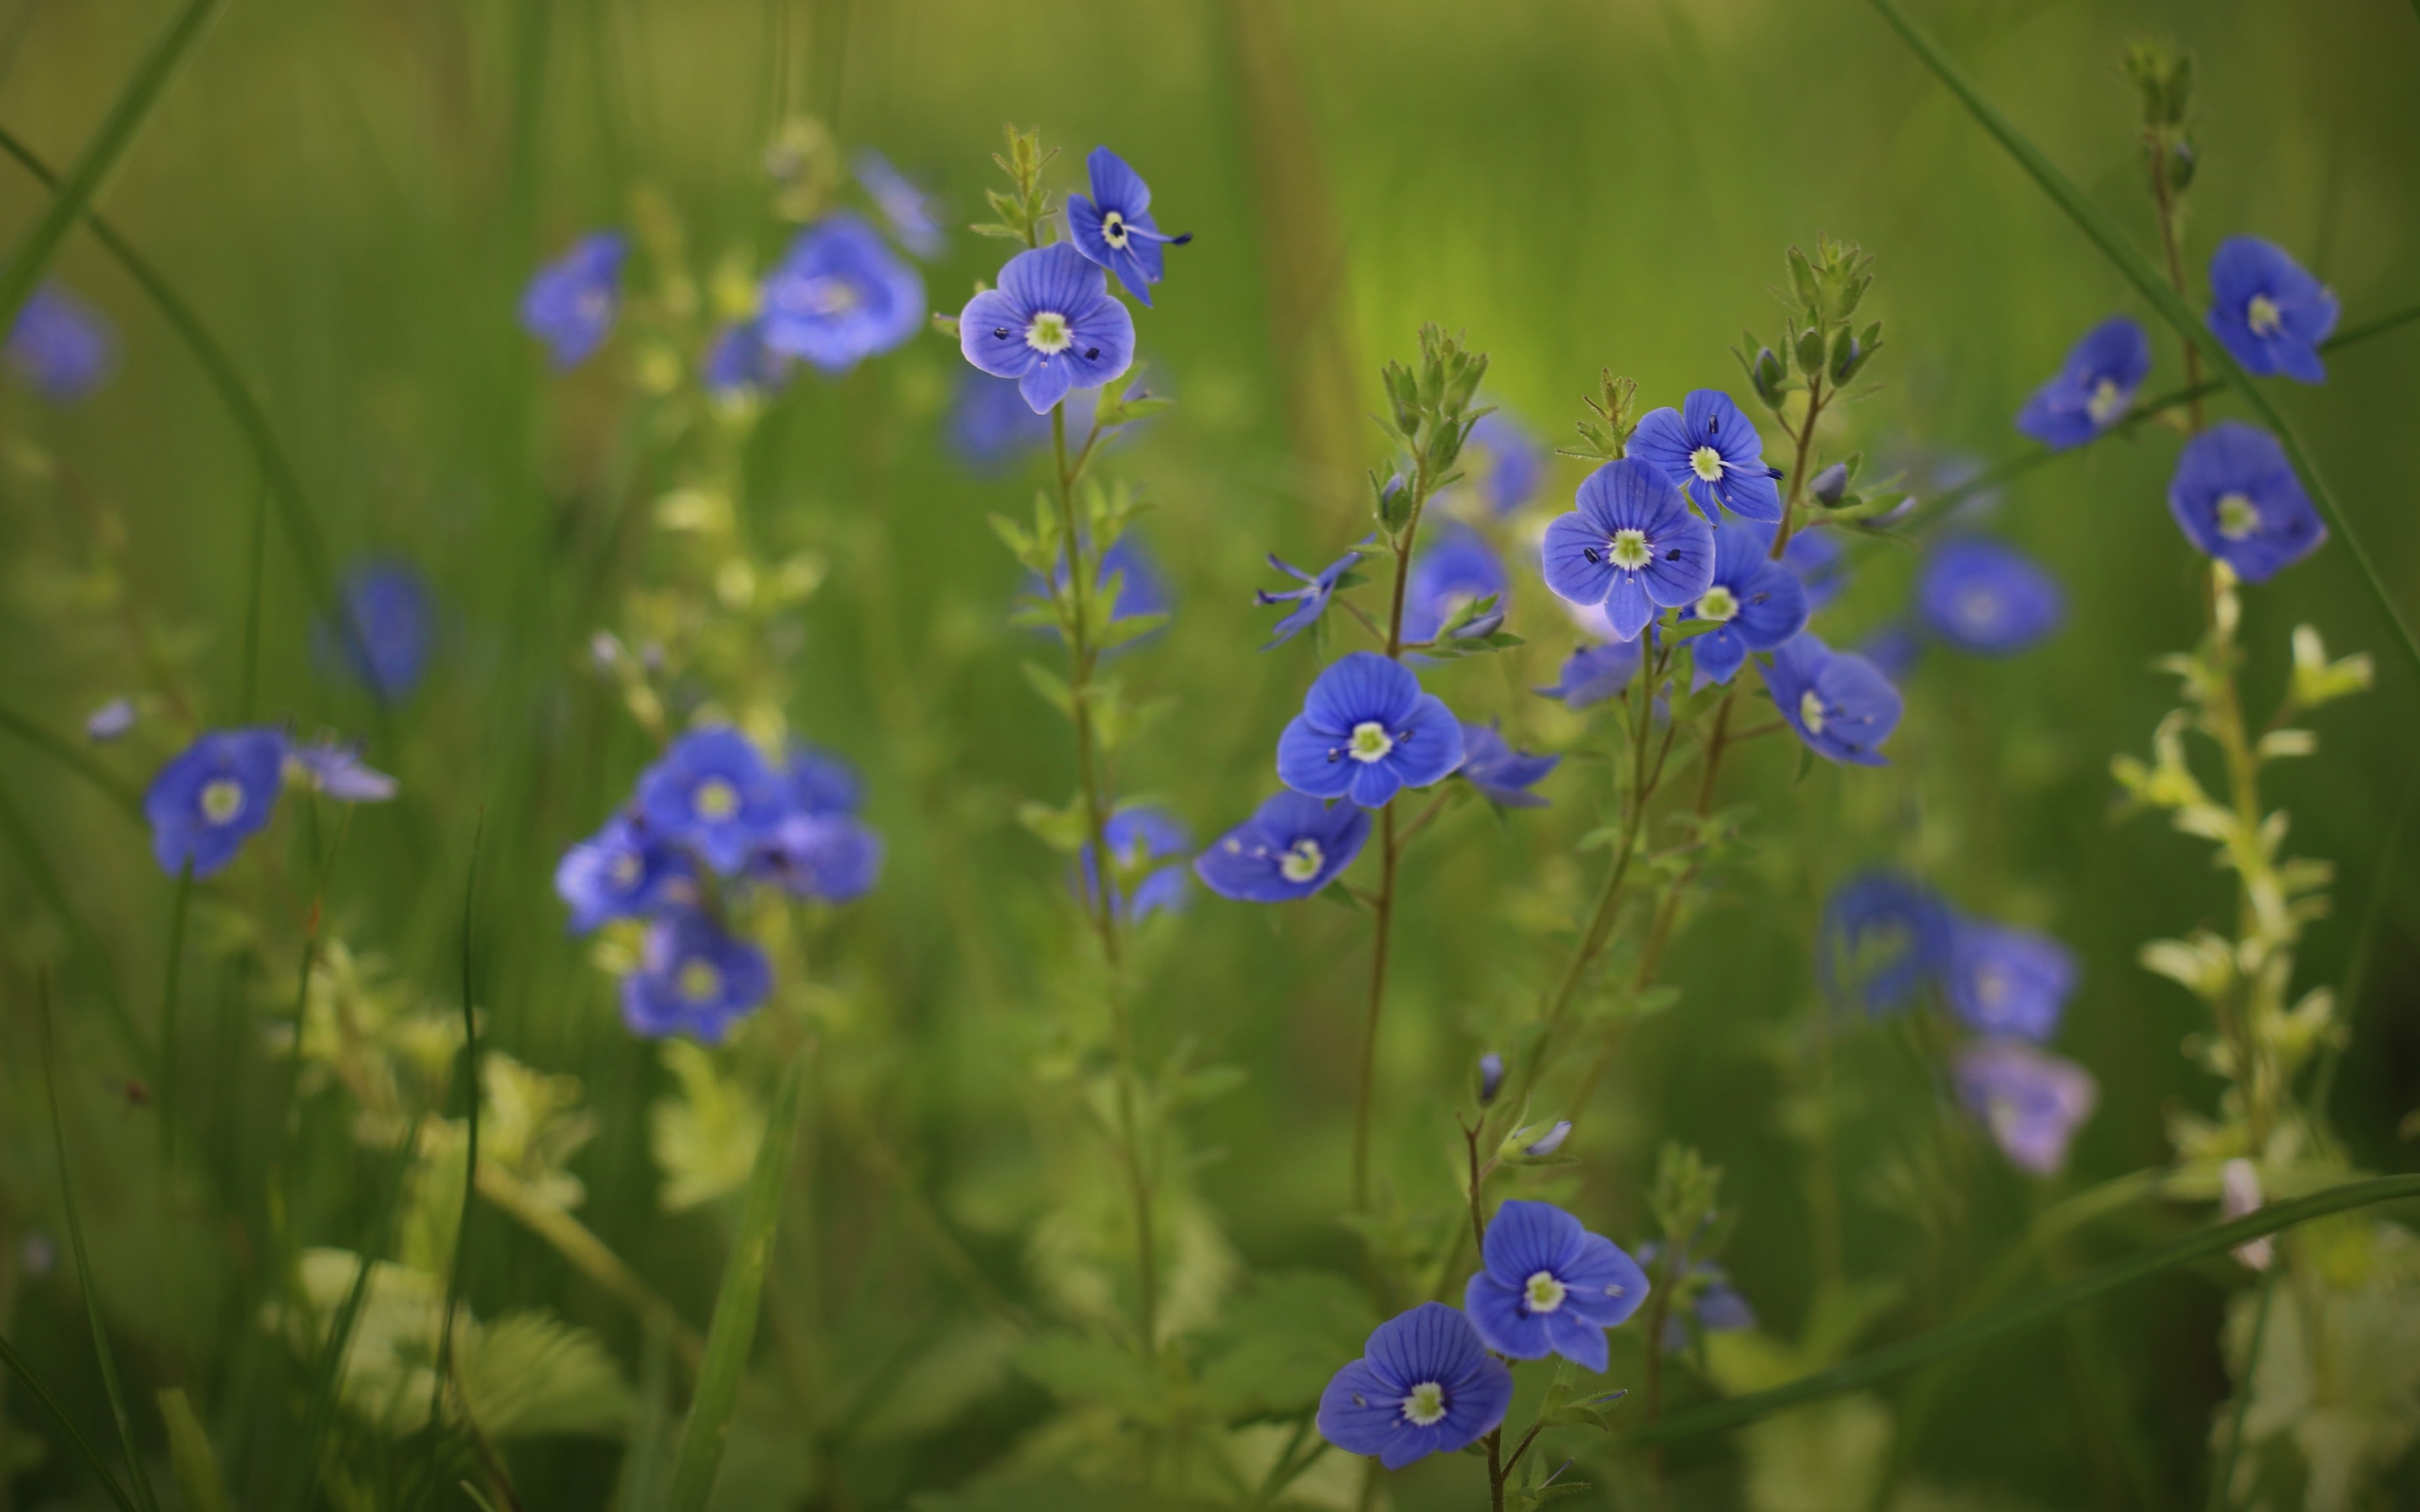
column 44, row 1399
column 81, row 763
column 733, row 1331
column 190, row 1456
column 1907, row 1354
column 46, row 882
column 470, row 1155
column 2104, row 234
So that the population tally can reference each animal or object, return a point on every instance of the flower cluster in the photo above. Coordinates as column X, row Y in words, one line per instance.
column 222, row 789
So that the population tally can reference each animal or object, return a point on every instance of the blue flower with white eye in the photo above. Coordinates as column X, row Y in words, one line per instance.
column 1840, row 706
column 832, row 858
column 1114, row 226
column 2032, row 1102
column 1502, row 775
column 60, row 346
column 1291, row 847
column 841, row 295
column 1632, row 545
column 1051, row 325
column 990, row 425
column 1885, row 935
column 739, row 362
column 622, row 871
column 2266, row 310
column 1367, row 730
column 1759, row 602
column 1988, row 598
column 1511, row 463
column 2007, row 982
column 823, row 781
column 914, row 217
column 1424, row 1385
column 1310, row 601
column 111, row 721
column 714, row 793
column 387, row 610
column 2237, row 499
column 1709, row 448
column 212, row 796
column 2093, row 387
column 693, row 980
column 1137, row 835
column 1550, row 1287
column 571, row 305
column 337, row 770
column 1458, row 568
column 1591, row 674
column 1821, row 564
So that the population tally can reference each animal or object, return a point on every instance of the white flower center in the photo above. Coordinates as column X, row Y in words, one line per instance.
column 1424, row 1404
column 1302, row 860
column 699, row 981
column 1719, row 605
column 1544, row 1292
column 1049, row 333
column 1810, row 712
column 1991, row 987
column 1629, row 550
column 821, row 297
column 1113, row 229
column 1370, row 741
column 715, row 799
column 2107, row 403
column 2237, row 517
column 2262, row 315
column 222, row 800
column 1979, row 608
column 626, row 871
column 1706, row 463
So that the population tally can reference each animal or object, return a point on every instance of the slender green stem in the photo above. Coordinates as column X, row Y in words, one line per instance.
column 471, row 1135
column 2222, row 1487
column 1496, row 1471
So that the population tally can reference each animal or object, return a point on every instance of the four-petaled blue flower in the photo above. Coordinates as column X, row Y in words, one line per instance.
column 1051, row 325
column 1137, row 835
column 2032, row 1102
column 212, row 796
column 337, row 770
column 1515, row 463
column 714, row 793
column 1759, row 602
column 388, row 629
column 741, row 364
column 914, row 217
column 1988, row 598
column 1457, row 569
column 832, row 858
column 1885, row 936
column 1550, row 1287
column 2236, row 498
column 1112, row 226
column 1591, row 674
column 621, row 871
column 2267, row 311
column 1367, row 730
column 1709, row 448
column 571, row 303
column 1424, row 1385
column 1502, row 775
column 841, row 295
column 60, row 345
column 1291, row 847
column 1840, row 706
column 1632, row 545
column 2093, row 387
column 1310, row 601
column 693, row 980
column 2007, row 981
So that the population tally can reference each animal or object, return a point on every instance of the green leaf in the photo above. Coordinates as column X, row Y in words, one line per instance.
column 189, row 1458
column 1131, row 628
column 1062, row 829
column 1052, row 687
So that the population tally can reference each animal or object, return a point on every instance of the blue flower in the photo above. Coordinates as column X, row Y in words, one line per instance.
column 1424, row 1385
column 1114, row 226
column 1716, row 1306
column 621, row 871
column 1709, row 448
column 111, row 721
column 338, row 771
column 1821, row 564
column 713, row 792
column 1836, row 700
column 2033, row 1103
column 990, row 425
column 1367, row 730
column 1136, row 835
column 832, row 858
column 215, row 795
column 1491, row 1077
column 1051, row 325
column 2267, row 311
column 823, row 781
column 1310, row 601
column 914, row 217
column 1515, row 463
column 60, row 345
column 1550, row 1287
column 1591, row 674
column 841, row 295
column 739, row 362
column 1759, row 602
column 2007, row 982
column 692, row 979
column 392, row 624
column 1291, row 847
column 2236, row 498
column 1885, row 935
column 2094, row 386
column 1632, row 545
column 571, row 303
column 1502, row 775
column 1458, row 568
column 1988, row 598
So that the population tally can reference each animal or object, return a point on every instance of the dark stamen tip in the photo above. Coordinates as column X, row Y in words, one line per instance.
column 1091, row 354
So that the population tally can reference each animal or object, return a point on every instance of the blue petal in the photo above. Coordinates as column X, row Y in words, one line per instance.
column 1628, row 606
column 1308, row 761
column 980, row 339
column 1373, row 784
column 1715, row 657
column 1428, row 744
column 1773, row 608
column 1116, row 185
column 1358, row 688
column 1570, row 539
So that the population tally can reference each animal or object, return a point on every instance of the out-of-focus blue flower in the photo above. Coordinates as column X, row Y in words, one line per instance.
column 693, row 980
column 1709, row 448
column 832, row 858
column 1511, row 463
column 914, row 217
column 1632, row 545
column 1368, row 730
column 1502, row 775
column 714, row 793
column 60, row 346
column 1988, row 598
column 1885, row 935
column 1051, row 325
column 571, row 303
column 1894, row 649
column 1591, row 674
column 1291, row 847
column 739, row 362
column 1142, row 589
column 2236, row 498
column 823, row 781
column 212, row 796
column 1759, row 602
column 111, row 721
column 1550, row 1287
column 1716, row 1306
column 1424, row 1385
column 2007, row 982
column 990, row 424
column 1491, row 1077
column 2032, row 1102
column 2093, row 386
column 2268, row 310
column 1821, row 564
column 1457, row 568
column 337, row 770
column 620, row 872
column 389, row 626
column 1113, row 226
column 1836, row 700
column 841, row 295
column 1310, row 601
column 1137, row 835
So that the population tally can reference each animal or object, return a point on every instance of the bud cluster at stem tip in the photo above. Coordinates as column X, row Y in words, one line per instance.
column 2166, row 79
column 1429, row 410
column 1820, row 340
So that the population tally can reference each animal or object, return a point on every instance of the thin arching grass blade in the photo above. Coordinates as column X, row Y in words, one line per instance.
column 733, row 1331
column 85, row 1451
column 108, row 783
column 2146, row 280
column 470, row 1155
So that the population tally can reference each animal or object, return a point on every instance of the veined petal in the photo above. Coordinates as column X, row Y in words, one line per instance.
column 1045, row 384
column 1628, row 606
column 1374, row 785
column 981, row 338
column 1571, row 539
column 1715, row 657
column 1116, row 185
column 1772, row 608
column 1428, row 744
column 1683, row 568
column 1308, row 761
column 1362, row 686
